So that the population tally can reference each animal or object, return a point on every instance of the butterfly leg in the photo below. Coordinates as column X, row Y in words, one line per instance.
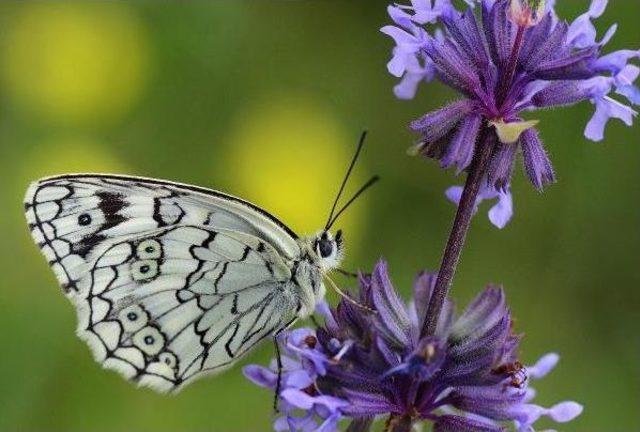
column 279, row 363
column 347, row 273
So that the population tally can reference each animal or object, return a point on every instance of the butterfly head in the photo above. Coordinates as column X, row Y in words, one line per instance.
column 329, row 249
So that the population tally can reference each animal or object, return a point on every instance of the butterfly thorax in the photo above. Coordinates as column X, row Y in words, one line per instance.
column 320, row 254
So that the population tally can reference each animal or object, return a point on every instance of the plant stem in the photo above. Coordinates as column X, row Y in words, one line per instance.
column 458, row 233
column 397, row 423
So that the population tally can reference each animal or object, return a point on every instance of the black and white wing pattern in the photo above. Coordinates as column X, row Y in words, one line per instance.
column 170, row 281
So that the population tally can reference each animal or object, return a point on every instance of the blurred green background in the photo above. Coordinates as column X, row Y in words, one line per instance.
column 266, row 100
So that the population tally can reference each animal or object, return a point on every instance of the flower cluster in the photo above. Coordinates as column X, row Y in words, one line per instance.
column 303, row 362
column 366, row 363
column 511, row 58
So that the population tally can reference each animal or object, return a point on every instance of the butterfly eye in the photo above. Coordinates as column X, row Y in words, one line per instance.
column 325, row 247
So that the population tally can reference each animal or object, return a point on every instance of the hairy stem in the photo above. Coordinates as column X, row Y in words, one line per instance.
column 397, row 423
column 458, row 233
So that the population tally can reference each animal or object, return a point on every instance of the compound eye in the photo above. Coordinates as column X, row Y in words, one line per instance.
column 325, row 247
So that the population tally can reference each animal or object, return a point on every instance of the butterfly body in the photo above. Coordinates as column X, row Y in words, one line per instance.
column 171, row 281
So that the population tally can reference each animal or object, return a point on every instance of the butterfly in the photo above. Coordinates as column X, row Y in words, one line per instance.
column 172, row 282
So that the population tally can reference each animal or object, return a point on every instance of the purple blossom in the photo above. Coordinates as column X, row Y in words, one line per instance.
column 371, row 363
column 499, row 214
column 407, row 62
column 506, row 61
column 303, row 361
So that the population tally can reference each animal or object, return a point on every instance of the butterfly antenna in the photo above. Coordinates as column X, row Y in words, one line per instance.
column 363, row 136
column 347, row 297
column 366, row 186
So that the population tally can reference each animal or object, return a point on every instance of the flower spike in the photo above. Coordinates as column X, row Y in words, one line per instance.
column 513, row 57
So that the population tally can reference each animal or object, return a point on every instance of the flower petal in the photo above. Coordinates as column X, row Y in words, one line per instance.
column 261, row 376
column 367, row 404
column 297, row 379
column 501, row 166
column 484, row 312
column 616, row 61
column 499, row 31
column 436, row 124
column 297, row 398
column 463, row 28
column 330, row 424
column 543, row 366
column 551, row 46
column 422, row 288
column 391, row 319
column 500, row 214
column 460, row 150
column 495, row 402
column 452, row 66
column 408, row 86
column 527, row 414
column 565, row 411
column 454, row 194
column 560, row 93
column 607, row 108
column 582, row 32
column 536, row 162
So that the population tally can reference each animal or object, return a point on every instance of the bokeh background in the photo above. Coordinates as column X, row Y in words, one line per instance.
column 266, row 99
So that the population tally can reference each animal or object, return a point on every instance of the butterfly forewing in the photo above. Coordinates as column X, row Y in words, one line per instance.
column 170, row 281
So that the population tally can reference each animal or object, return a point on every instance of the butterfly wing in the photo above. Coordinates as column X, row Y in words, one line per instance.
column 170, row 281
column 70, row 215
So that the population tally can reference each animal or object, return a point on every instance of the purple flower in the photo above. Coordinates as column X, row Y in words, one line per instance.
column 303, row 361
column 407, row 62
column 372, row 363
column 508, row 60
column 499, row 214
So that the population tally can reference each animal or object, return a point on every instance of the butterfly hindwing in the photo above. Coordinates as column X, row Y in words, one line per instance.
column 169, row 284
column 164, row 308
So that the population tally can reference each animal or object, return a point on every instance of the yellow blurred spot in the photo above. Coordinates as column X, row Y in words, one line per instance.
column 289, row 156
column 78, row 62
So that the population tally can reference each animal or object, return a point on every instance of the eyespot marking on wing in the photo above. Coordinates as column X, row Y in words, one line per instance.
column 178, row 312
column 133, row 318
